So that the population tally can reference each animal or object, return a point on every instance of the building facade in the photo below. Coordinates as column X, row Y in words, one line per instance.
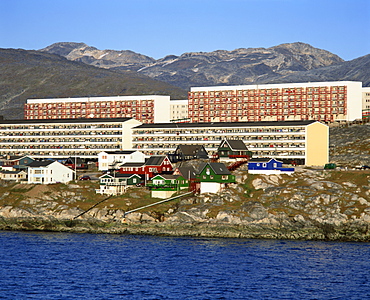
column 366, row 103
column 65, row 138
column 179, row 110
column 322, row 101
column 305, row 142
column 146, row 109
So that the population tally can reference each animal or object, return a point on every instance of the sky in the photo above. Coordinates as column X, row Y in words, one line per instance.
column 157, row 28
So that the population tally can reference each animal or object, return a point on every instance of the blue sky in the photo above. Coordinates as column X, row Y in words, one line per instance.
column 162, row 27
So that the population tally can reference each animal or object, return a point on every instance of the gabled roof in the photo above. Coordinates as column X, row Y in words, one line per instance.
column 155, row 160
column 11, row 172
column 132, row 165
column 43, row 163
column 218, row 168
column 262, row 160
column 235, row 145
column 190, row 149
column 186, row 172
column 167, row 176
column 119, row 175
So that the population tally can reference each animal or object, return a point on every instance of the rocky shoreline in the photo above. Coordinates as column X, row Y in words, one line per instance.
column 311, row 204
column 351, row 231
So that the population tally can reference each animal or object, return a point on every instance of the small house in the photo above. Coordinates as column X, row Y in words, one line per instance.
column 116, row 183
column 49, row 171
column 186, row 177
column 163, row 185
column 213, row 177
column 267, row 166
column 76, row 163
column 233, row 149
column 189, row 152
column 18, row 175
column 156, row 164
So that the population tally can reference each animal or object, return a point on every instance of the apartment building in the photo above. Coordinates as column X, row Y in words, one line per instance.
column 322, row 101
column 304, row 142
column 146, row 109
column 179, row 110
column 65, row 138
column 366, row 102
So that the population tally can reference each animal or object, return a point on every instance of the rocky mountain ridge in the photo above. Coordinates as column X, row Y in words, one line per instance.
column 221, row 67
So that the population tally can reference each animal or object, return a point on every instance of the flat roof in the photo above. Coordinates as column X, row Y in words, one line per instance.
column 272, row 86
column 58, row 121
column 226, row 124
column 97, row 99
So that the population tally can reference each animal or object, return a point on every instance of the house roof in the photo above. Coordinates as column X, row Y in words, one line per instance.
column 119, row 175
column 155, row 160
column 120, row 152
column 186, row 172
column 11, row 172
column 167, row 176
column 235, row 145
column 190, row 149
column 43, row 163
column 262, row 160
column 132, row 165
column 224, row 124
column 218, row 168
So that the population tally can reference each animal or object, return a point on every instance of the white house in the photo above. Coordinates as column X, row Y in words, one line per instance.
column 16, row 175
column 48, row 171
column 112, row 159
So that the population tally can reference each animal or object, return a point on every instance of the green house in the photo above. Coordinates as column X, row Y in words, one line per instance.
column 213, row 177
column 233, row 149
column 164, row 182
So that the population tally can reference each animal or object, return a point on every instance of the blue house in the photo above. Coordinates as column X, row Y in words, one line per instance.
column 267, row 166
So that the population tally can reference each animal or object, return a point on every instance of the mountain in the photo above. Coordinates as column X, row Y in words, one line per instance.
column 241, row 66
column 123, row 60
column 353, row 70
column 34, row 74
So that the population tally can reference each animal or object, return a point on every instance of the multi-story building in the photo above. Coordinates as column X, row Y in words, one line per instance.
column 304, row 142
column 179, row 110
column 146, row 109
column 322, row 101
column 366, row 102
column 65, row 138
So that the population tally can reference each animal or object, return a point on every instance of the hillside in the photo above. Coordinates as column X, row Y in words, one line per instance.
column 308, row 205
column 221, row 67
column 33, row 74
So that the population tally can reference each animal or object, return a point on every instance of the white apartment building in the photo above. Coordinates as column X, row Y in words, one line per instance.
column 64, row 138
column 179, row 110
column 304, row 142
column 366, row 102
column 146, row 108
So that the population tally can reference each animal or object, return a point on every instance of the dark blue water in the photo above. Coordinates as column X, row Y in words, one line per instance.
column 86, row 266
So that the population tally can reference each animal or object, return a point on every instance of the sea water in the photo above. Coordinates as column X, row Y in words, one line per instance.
column 92, row 266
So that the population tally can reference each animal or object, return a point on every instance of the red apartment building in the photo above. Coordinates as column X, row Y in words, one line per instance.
column 146, row 109
column 321, row 101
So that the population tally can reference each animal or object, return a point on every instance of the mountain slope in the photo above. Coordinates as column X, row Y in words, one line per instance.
column 33, row 74
column 221, row 67
column 354, row 70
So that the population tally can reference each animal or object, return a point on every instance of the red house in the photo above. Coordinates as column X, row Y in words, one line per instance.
column 156, row 164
